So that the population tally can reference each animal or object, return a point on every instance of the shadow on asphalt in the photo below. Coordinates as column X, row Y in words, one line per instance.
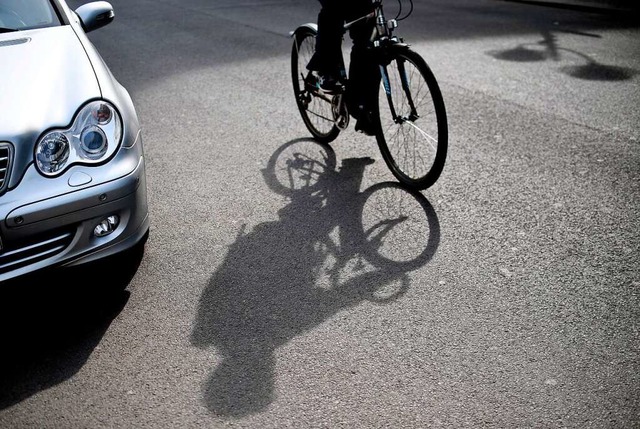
column 51, row 322
column 150, row 41
column 548, row 49
column 333, row 247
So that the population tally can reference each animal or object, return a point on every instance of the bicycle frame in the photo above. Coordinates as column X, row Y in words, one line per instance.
column 382, row 36
column 382, row 29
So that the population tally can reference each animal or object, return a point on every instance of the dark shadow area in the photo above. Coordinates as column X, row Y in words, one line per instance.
column 333, row 247
column 520, row 53
column 51, row 322
column 548, row 49
column 617, row 8
column 595, row 71
column 151, row 40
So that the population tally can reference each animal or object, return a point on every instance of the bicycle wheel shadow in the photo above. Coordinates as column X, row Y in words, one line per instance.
column 283, row 278
column 52, row 321
column 586, row 67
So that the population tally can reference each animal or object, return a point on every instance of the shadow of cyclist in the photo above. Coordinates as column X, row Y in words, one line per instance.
column 283, row 278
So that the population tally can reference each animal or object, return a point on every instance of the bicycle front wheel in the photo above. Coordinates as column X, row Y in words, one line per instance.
column 315, row 108
column 413, row 122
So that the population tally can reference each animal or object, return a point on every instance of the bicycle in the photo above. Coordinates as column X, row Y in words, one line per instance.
column 411, row 132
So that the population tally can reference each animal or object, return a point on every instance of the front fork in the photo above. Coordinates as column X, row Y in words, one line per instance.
column 404, row 80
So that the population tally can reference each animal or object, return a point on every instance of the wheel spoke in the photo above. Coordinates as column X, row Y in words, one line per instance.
column 424, row 134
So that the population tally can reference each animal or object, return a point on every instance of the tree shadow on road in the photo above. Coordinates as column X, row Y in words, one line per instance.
column 332, row 248
column 51, row 322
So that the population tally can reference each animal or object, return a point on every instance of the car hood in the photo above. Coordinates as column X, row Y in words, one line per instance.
column 45, row 76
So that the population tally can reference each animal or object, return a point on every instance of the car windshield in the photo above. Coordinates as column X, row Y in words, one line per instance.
column 26, row 14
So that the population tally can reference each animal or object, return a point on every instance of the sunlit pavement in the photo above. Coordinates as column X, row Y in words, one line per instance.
column 256, row 306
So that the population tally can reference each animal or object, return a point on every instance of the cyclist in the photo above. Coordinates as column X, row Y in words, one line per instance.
column 326, row 62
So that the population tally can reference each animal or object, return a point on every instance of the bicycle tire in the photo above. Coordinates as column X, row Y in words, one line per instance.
column 316, row 111
column 416, row 142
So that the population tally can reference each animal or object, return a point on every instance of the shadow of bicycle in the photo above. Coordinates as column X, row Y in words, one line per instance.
column 584, row 67
column 332, row 248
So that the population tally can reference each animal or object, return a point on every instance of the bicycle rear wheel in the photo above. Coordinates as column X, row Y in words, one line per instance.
column 413, row 121
column 315, row 109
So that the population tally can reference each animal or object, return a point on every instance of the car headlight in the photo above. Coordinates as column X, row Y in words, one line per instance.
column 94, row 135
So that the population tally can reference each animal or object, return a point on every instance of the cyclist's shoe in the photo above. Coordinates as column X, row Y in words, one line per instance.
column 329, row 84
column 366, row 124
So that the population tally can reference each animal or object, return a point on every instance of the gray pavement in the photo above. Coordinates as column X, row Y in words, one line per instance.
column 616, row 6
column 258, row 307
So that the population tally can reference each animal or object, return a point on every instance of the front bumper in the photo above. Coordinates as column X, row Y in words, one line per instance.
column 58, row 230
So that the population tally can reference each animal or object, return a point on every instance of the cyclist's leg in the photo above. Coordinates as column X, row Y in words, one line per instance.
column 327, row 59
column 364, row 74
column 364, row 81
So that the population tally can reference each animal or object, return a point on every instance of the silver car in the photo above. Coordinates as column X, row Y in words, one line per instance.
column 72, row 171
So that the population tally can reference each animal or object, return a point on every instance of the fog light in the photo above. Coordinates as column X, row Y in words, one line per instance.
column 107, row 226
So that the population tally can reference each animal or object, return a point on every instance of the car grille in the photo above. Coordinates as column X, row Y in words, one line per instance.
column 26, row 252
column 6, row 156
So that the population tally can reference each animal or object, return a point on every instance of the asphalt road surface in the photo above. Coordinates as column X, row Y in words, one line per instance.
column 506, row 295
